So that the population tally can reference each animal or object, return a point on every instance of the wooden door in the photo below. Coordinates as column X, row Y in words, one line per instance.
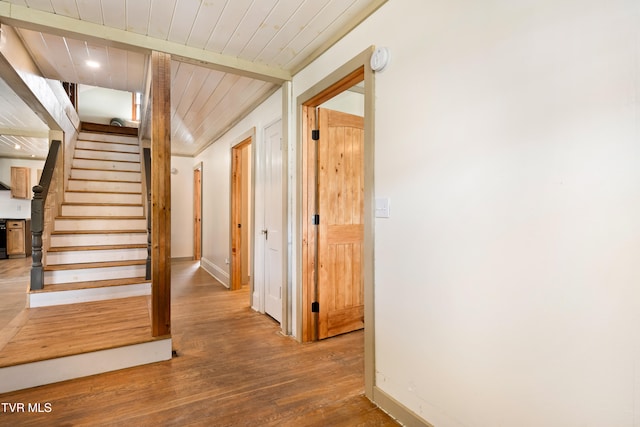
column 197, row 214
column 240, row 226
column 273, row 220
column 340, row 165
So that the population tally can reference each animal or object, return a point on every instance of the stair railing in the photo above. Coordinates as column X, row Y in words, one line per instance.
column 44, row 208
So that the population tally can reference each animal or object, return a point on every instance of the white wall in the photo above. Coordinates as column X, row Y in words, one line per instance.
column 100, row 105
column 506, row 279
column 182, row 207
column 216, row 186
column 347, row 102
column 11, row 208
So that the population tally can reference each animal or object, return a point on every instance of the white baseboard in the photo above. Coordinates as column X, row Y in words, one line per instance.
column 35, row 374
column 397, row 410
column 47, row 299
column 217, row 272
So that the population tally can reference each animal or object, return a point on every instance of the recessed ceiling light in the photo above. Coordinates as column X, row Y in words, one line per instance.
column 33, row 155
column 92, row 64
column 17, row 146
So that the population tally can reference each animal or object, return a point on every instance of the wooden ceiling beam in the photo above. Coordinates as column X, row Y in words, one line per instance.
column 51, row 23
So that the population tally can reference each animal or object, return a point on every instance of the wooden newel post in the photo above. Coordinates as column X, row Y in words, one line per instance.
column 37, row 226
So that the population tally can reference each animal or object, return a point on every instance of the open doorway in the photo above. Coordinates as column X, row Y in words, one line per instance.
column 241, row 221
column 333, row 197
column 355, row 75
column 197, row 212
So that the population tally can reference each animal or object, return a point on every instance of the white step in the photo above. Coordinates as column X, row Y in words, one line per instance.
column 107, row 146
column 103, row 137
column 102, row 175
column 95, row 239
column 35, row 374
column 105, row 165
column 99, row 210
column 76, row 296
column 83, row 185
column 115, row 198
column 91, row 274
column 99, row 224
column 106, row 155
column 95, row 255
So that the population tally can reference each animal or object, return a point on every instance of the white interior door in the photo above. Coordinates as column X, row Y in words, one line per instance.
column 272, row 232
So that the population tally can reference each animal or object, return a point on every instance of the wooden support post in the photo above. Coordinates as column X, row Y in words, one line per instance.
column 161, row 194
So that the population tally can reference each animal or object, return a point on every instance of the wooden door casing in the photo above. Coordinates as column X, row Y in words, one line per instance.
column 340, row 164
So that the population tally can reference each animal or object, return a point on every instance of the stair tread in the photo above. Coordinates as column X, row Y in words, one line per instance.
column 103, row 150
column 103, row 180
column 96, row 247
column 67, row 232
column 131, row 142
column 98, row 325
column 106, row 160
column 64, row 267
column 103, row 191
column 102, row 170
column 99, row 204
column 59, row 287
column 99, row 217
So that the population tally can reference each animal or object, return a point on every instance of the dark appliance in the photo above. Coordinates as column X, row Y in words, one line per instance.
column 3, row 238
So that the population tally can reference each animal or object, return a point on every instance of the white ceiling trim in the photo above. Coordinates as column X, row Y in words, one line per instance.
column 32, row 19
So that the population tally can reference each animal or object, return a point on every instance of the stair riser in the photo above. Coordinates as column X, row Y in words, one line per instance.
column 91, row 274
column 78, row 296
column 106, row 175
column 116, row 198
column 129, row 187
column 98, row 239
column 102, row 137
column 106, row 165
column 83, row 365
column 76, row 257
column 90, row 211
column 100, row 224
column 107, row 146
column 106, row 155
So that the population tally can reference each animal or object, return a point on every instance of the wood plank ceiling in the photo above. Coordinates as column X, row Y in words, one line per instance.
column 207, row 98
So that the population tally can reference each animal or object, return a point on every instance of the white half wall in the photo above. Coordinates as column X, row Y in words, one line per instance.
column 216, row 179
column 507, row 139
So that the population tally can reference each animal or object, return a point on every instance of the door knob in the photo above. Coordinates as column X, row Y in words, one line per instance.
column 266, row 233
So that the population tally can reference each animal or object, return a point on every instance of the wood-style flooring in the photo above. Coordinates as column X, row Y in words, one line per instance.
column 14, row 284
column 233, row 368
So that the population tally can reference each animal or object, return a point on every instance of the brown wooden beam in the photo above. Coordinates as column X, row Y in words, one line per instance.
column 161, row 194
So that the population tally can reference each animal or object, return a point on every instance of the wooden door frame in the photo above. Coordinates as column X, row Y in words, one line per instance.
column 197, row 201
column 340, row 80
column 235, row 280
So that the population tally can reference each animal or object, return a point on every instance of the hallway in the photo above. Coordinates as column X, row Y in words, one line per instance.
column 233, row 368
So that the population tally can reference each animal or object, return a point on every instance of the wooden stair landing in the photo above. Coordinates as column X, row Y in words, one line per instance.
column 45, row 333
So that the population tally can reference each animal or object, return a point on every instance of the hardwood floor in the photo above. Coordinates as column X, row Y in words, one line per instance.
column 14, row 283
column 233, row 368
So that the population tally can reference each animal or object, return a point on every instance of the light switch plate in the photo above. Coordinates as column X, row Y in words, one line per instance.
column 382, row 208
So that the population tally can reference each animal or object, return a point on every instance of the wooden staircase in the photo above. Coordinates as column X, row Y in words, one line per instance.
column 93, row 314
column 98, row 245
